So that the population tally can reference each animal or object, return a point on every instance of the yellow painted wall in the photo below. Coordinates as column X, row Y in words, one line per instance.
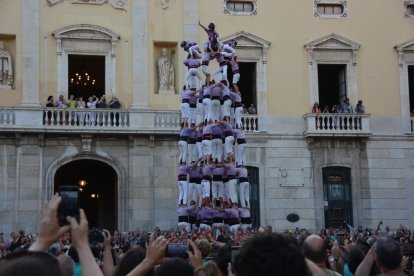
column 10, row 26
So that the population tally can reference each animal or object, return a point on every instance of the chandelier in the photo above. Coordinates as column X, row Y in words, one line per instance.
column 83, row 79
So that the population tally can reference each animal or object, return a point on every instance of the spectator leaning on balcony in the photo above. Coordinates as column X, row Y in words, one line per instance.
column 316, row 108
column 346, row 107
column 252, row 109
column 50, row 102
column 71, row 102
column 360, row 107
column 61, row 102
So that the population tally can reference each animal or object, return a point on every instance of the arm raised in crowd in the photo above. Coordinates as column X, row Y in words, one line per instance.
column 79, row 232
column 108, row 264
column 49, row 230
column 155, row 255
column 365, row 266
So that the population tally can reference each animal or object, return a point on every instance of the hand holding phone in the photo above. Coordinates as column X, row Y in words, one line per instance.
column 69, row 206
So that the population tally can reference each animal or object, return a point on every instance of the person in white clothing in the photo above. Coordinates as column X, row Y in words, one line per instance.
column 91, row 104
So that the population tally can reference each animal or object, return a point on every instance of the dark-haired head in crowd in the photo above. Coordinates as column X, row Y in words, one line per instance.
column 270, row 254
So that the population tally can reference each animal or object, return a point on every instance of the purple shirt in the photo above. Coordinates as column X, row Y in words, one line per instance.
column 207, row 213
column 218, row 214
column 235, row 98
column 185, row 132
column 216, row 130
column 207, row 130
column 232, row 213
column 193, row 212
column 244, row 213
column 184, row 211
column 207, row 91
column 219, row 58
column 212, row 35
column 208, row 169
column 183, row 169
column 239, row 134
column 226, row 127
column 192, row 63
column 230, row 169
column 186, row 94
column 201, row 94
column 225, row 91
column 193, row 99
column 206, row 58
column 195, row 172
column 218, row 171
column 234, row 66
column 200, row 133
column 216, row 91
column 242, row 172
column 192, row 134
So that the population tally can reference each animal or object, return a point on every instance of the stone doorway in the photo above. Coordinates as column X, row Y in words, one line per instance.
column 332, row 84
column 337, row 196
column 97, row 182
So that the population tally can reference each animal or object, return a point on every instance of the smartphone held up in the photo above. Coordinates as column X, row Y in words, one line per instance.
column 69, row 206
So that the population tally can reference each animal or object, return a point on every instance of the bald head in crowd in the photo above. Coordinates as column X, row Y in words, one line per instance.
column 314, row 249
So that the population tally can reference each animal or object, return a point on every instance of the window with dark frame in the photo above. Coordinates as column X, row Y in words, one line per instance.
column 330, row 9
column 410, row 10
column 239, row 6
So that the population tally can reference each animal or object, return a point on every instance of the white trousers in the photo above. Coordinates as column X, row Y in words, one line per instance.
column 184, row 225
column 200, row 111
column 234, row 228
column 194, row 51
column 193, row 78
column 185, row 110
column 193, row 115
column 207, row 109
column 225, row 109
column 183, row 188
column 205, row 186
column 228, row 144
column 237, row 116
column 245, row 227
column 192, row 192
column 192, row 152
column 217, row 151
column 217, row 188
column 236, row 78
column 244, row 194
column 199, row 147
column 232, row 189
column 241, row 154
column 215, row 110
column 182, row 147
column 207, row 149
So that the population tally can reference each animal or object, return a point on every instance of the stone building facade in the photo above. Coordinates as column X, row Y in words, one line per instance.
column 325, row 169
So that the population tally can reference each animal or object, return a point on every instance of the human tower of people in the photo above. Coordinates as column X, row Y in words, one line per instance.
column 212, row 141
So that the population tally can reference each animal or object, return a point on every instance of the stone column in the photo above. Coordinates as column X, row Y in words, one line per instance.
column 140, row 81
column 191, row 19
column 30, row 53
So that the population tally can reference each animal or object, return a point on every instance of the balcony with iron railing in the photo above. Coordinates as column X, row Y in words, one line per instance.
column 337, row 124
column 98, row 120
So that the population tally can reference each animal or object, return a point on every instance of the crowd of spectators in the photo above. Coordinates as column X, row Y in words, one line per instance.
column 83, row 114
column 341, row 107
column 73, row 248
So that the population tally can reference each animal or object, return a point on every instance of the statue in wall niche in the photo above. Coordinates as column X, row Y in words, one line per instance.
column 165, row 4
column 165, row 72
column 6, row 67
